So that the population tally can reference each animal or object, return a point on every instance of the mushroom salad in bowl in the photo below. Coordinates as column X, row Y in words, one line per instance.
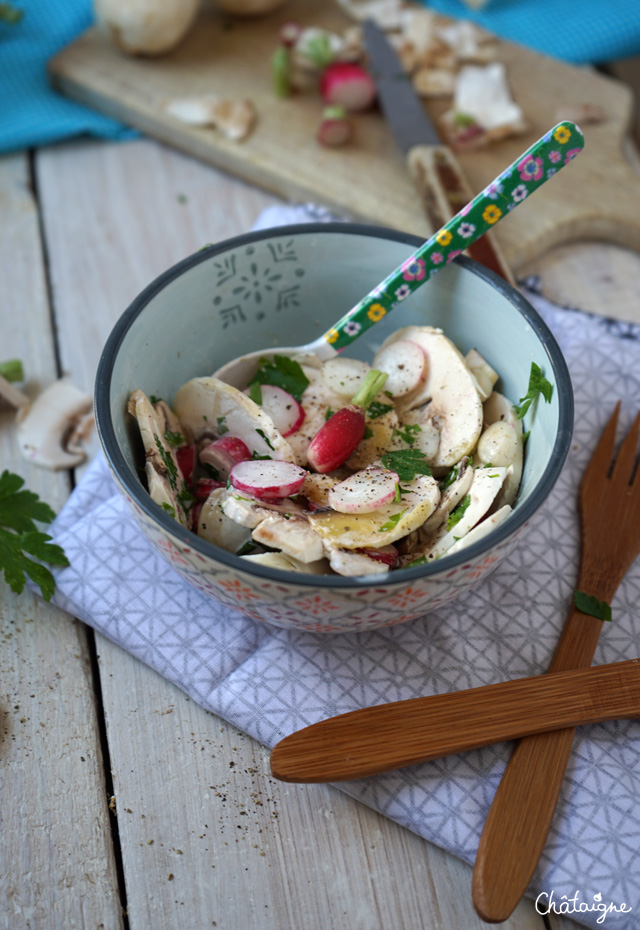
column 330, row 495
column 340, row 466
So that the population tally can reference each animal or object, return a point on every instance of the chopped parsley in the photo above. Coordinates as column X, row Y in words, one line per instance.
column 256, row 457
column 408, row 433
column 247, row 548
column 376, row 409
column 20, row 538
column 328, row 414
column 407, row 463
column 458, row 512
column 154, row 399
column 399, row 492
column 262, row 433
column 211, row 471
column 255, row 393
column 169, row 509
column 588, row 604
column 282, row 372
column 169, row 464
column 174, row 438
column 449, row 478
column 222, row 425
column 392, row 522
column 12, row 370
column 368, row 433
column 538, row 384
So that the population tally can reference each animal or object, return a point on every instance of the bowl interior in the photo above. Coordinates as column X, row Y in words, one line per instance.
column 285, row 287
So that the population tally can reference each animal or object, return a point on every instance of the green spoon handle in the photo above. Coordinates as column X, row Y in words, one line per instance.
column 527, row 173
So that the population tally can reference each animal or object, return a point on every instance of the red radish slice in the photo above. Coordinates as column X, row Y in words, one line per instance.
column 388, row 555
column 204, row 487
column 186, row 456
column 267, row 478
column 344, row 376
column 347, row 85
column 367, row 490
column 285, row 411
column 404, row 362
column 224, row 453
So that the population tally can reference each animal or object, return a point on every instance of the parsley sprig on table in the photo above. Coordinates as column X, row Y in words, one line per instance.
column 20, row 538
column 538, row 384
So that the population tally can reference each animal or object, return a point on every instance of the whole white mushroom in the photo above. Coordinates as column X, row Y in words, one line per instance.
column 146, row 27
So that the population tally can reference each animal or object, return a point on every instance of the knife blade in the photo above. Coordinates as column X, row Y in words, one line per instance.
column 434, row 168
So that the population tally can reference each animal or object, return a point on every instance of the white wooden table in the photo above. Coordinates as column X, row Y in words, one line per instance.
column 122, row 803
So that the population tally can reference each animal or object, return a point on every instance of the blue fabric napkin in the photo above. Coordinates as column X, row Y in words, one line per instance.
column 31, row 112
column 578, row 31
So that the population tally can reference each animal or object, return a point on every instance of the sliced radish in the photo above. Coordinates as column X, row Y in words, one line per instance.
column 186, row 456
column 404, row 362
column 267, row 478
column 285, row 411
column 388, row 555
column 335, row 127
column 347, row 85
column 344, row 376
column 204, row 487
column 224, row 453
column 367, row 490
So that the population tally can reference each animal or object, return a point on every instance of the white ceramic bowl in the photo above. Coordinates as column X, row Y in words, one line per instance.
column 286, row 286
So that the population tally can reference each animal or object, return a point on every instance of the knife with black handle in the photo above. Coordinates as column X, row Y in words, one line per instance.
column 434, row 167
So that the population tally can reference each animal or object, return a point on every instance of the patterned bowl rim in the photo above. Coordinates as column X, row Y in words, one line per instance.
column 521, row 514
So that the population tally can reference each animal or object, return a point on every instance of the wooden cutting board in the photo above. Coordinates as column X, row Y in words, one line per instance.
column 598, row 197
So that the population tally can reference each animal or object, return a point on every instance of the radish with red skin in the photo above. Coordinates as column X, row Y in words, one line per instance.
column 285, row 411
column 338, row 438
column 186, row 456
column 405, row 362
column 204, row 486
column 335, row 128
column 224, row 453
column 364, row 491
column 388, row 555
column 267, row 478
column 348, row 85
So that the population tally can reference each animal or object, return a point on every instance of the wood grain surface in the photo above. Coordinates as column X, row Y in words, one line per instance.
column 597, row 198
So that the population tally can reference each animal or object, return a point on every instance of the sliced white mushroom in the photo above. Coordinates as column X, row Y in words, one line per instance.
column 344, row 562
column 209, row 407
column 294, row 536
column 484, row 374
column 473, row 507
column 450, row 390
column 482, row 529
column 216, row 527
column 384, row 526
column 344, row 375
column 288, row 564
column 316, row 488
column 382, row 430
column 13, row 395
column 502, row 443
column 425, row 439
column 46, row 427
column 236, row 118
column 249, row 512
column 451, row 496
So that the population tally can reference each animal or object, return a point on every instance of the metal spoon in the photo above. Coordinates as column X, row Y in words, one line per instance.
column 527, row 173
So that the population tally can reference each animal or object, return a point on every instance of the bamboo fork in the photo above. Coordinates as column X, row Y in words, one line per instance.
column 520, row 816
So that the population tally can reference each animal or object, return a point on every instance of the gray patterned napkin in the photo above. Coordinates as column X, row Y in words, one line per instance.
column 270, row 682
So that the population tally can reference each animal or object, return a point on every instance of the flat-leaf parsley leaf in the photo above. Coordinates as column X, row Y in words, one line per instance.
column 538, row 384
column 283, row 372
column 20, row 538
column 588, row 604
column 407, row 463
column 392, row 522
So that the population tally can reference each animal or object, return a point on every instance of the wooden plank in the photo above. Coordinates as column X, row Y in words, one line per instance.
column 56, row 857
column 206, row 834
column 597, row 198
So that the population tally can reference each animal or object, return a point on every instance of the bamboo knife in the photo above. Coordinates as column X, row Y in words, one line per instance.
column 434, row 168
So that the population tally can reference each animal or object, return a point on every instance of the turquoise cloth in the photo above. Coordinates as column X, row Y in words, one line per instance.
column 32, row 113
column 578, row 31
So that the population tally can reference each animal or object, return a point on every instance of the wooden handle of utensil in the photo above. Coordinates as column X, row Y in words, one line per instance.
column 389, row 736
column 520, row 817
column 444, row 190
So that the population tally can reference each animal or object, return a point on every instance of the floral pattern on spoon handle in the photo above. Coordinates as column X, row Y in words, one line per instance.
column 527, row 173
